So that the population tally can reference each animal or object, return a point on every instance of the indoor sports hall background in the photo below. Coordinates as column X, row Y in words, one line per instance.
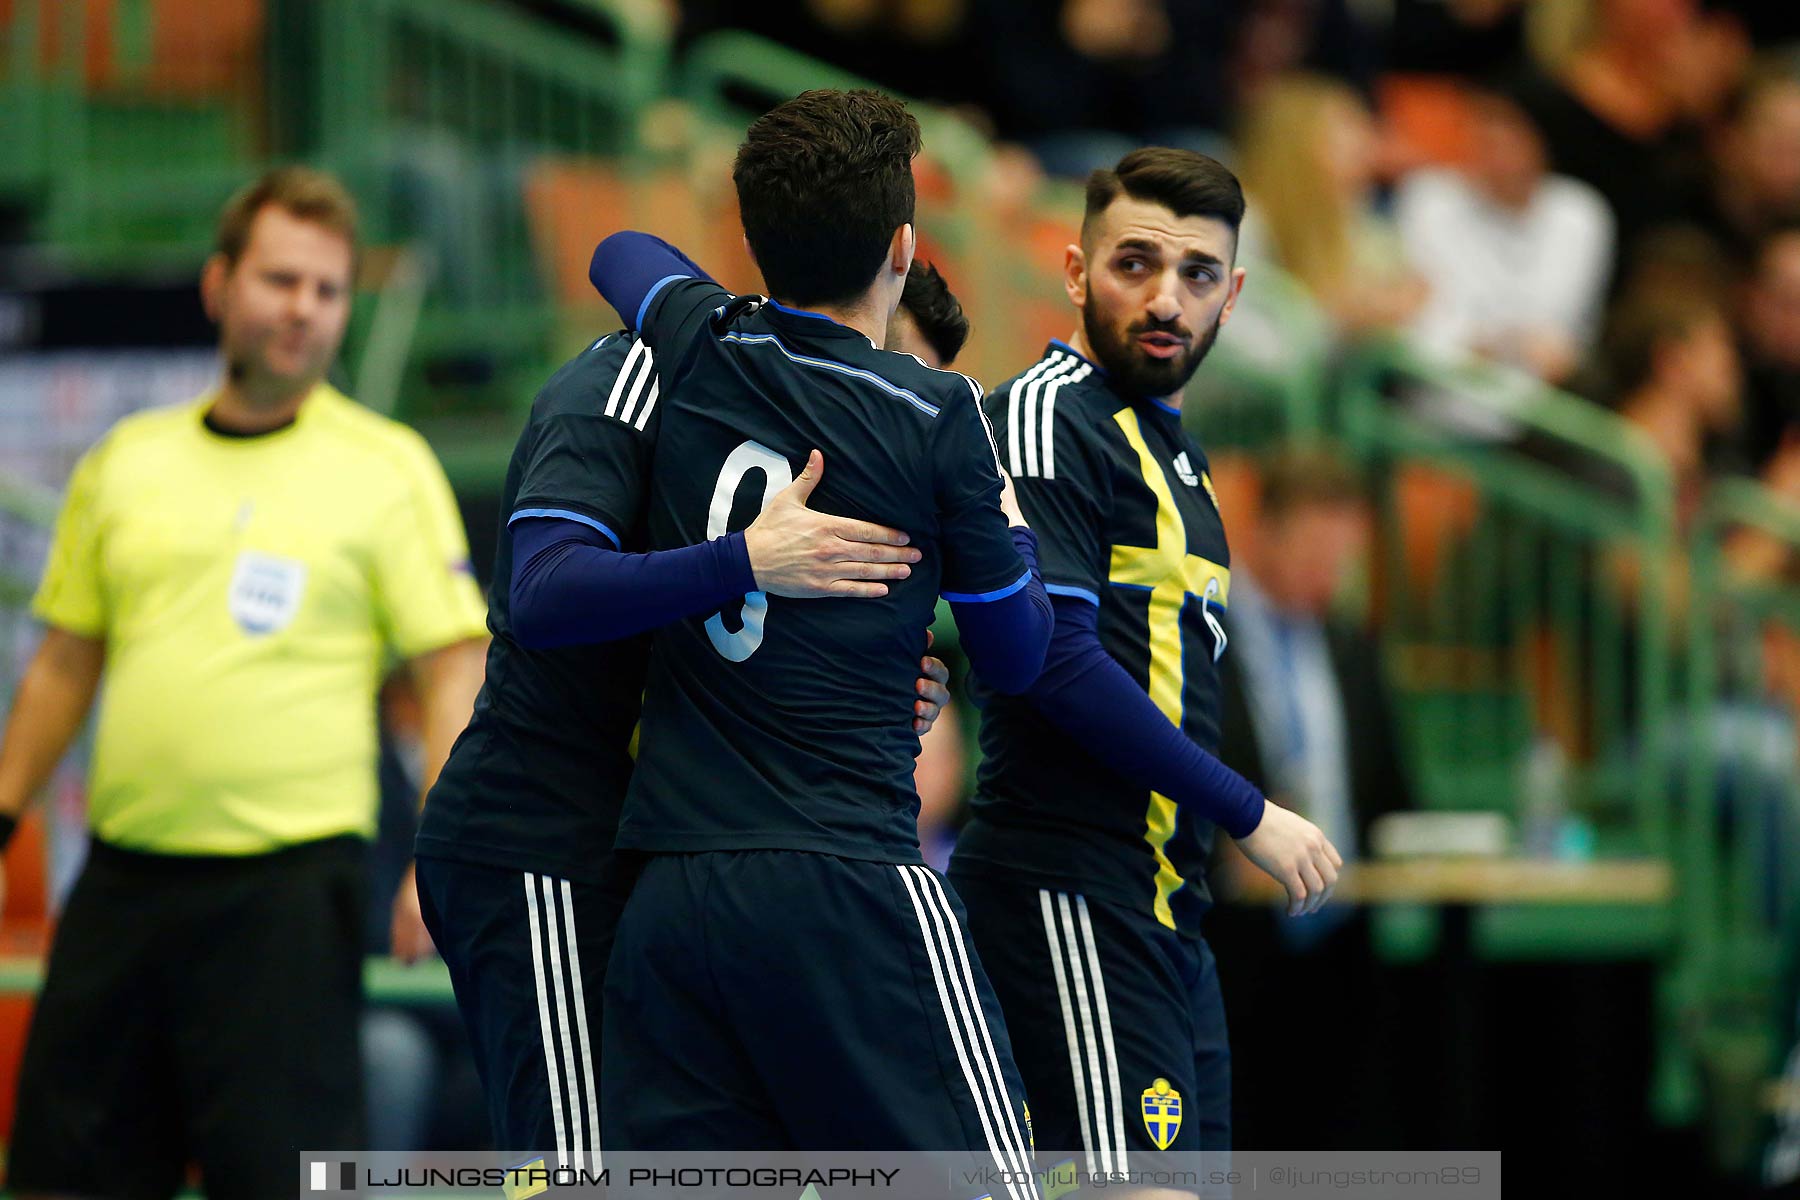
column 1527, row 271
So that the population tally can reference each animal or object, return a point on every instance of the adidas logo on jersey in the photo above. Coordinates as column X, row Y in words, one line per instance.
column 1184, row 469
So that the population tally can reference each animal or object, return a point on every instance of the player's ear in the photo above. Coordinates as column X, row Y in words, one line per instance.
column 1075, row 274
column 212, row 285
column 902, row 249
column 1231, row 298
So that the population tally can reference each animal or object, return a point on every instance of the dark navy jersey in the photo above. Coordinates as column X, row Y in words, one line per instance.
column 536, row 780
column 786, row 724
column 1126, row 519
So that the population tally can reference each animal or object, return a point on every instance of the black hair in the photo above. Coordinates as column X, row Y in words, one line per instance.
column 823, row 181
column 935, row 309
column 1187, row 183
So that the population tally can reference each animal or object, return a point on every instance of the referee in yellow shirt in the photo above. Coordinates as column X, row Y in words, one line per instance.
column 240, row 570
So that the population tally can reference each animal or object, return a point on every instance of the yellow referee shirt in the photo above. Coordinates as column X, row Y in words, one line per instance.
column 248, row 590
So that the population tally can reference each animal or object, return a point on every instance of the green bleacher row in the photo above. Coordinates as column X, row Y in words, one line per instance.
column 1566, row 652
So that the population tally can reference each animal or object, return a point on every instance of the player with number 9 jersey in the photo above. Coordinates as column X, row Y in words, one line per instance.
column 781, row 928
column 781, row 723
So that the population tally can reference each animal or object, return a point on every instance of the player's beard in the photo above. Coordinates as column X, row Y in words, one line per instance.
column 1133, row 372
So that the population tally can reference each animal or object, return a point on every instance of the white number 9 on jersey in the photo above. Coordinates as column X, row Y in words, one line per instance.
column 751, row 456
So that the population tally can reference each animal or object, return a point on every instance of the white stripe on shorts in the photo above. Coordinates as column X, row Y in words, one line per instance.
column 543, row 999
column 958, row 1027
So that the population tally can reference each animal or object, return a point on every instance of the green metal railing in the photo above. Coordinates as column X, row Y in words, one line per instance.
column 122, row 171
column 1565, row 603
column 1525, row 596
column 436, row 111
column 433, row 110
column 494, row 80
column 1735, row 750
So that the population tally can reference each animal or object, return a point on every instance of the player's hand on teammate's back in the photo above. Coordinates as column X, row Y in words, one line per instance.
column 1300, row 858
column 409, row 939
column 803, row 554
column 933, row 688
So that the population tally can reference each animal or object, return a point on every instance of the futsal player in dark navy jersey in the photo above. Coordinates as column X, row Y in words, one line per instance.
column 518, row 879
column 788, row 973
column 1083, row 864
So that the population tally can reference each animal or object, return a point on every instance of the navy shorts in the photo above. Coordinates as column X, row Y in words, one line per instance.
column 784, row 1000
column 527, row 955
column 1116, row 1020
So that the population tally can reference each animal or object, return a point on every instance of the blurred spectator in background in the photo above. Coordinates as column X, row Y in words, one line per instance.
column 1754, row 186
column 1307, row 151
column 1092, row 79
column 1307, row 717
column 1306, row 713
column 1516, row 259
column 1077, row 82
column 1674, row 260
column 1676, row 376
column 1273, row 38
column 912, row 46
column 1771, row 342
column 1623, row 111
column 240, row 566
column 1472, row 37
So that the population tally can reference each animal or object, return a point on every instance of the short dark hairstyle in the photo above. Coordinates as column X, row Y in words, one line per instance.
column 935, row 309
column 1187, row 183
column 1308, row 476
column 822, row 182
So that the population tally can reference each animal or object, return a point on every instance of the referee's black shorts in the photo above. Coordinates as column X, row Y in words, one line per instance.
column 196, row 1009
column 1117, row 1022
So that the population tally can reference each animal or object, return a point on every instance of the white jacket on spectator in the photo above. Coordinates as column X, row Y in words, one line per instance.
column 1524, row 285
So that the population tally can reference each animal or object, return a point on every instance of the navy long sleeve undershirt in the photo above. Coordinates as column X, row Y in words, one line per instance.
column 628, row 267
column 1089, row 696
column 570, row 586
column 1006, row 637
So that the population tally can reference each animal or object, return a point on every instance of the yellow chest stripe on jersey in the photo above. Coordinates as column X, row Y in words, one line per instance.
column 1172, row 575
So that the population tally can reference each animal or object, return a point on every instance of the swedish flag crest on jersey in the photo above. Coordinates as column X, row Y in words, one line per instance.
column 1162, row 1113
column 526, row 1180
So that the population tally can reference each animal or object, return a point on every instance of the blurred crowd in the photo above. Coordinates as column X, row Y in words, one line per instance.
column 1603, row 193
